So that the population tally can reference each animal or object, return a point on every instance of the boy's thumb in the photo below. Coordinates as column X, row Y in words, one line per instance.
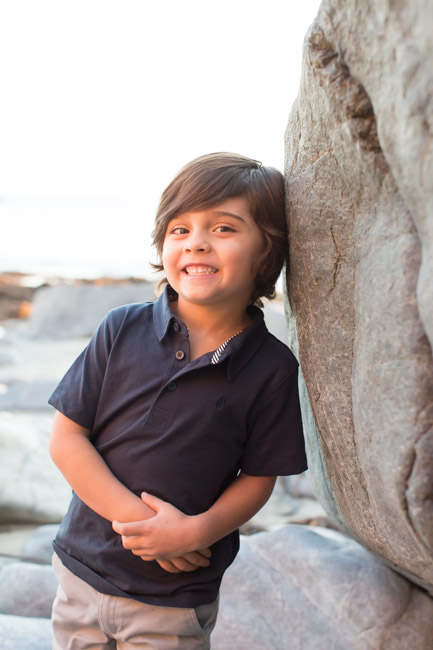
column 151, row 501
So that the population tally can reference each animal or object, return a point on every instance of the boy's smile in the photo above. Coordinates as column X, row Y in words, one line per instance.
column 199, row 269
column 209, row 255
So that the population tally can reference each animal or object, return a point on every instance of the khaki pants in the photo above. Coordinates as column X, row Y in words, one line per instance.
column 85, row 619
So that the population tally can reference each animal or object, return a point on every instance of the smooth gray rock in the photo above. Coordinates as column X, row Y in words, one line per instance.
column 39, row 543
column 301, row 588
column 76, row 310
column 27, row 395
column 359, row 166
column 31, row 487
column 27, row 589
column 22, row 633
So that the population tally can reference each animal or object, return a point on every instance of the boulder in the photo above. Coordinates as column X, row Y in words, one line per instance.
column 76, row 310
column 359, row 164
column 27, row 395
column 25, row 633
column 27, row 589
column 302, row 587
column 31, row 487
column 38, row 545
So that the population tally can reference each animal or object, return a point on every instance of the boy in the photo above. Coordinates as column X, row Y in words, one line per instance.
column 189, row 399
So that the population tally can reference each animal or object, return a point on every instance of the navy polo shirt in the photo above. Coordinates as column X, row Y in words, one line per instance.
column 177, row 429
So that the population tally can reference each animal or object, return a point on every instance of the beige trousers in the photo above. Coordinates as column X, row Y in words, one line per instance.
column 85, row 619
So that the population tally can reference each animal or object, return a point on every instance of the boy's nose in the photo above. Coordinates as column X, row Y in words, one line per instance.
column 197, row 245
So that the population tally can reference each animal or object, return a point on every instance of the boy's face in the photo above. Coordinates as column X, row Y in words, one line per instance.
column 210, row 256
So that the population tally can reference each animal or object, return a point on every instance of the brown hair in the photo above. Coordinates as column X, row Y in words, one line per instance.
column 211, row 179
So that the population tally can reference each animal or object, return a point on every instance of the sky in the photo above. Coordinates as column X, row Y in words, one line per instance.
column 104, row 100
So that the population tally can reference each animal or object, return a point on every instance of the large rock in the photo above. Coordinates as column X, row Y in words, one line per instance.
column 76, row 310
column 27, row 590
column 359, row 168
column 31, row 487
column 27, row 395
column 302, row 588
column 39, row 544
column 25, row 633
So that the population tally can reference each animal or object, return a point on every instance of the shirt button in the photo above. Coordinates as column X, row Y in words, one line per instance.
column 180, row 355
column 172, row 385
column 176, row 326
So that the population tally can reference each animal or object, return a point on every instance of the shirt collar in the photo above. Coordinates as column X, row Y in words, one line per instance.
column 239, row 351
column 162, row 315
column 250, row 341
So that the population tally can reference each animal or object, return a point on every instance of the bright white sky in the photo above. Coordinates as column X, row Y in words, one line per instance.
column 102, row 101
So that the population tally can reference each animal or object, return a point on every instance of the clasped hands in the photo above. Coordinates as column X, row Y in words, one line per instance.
column 168, row 538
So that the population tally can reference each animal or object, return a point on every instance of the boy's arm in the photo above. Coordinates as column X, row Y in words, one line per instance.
column 172, row 533
column 92, row 480
column 89, row 476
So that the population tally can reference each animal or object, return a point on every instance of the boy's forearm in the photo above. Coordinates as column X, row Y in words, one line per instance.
column 238, row 503
column 172, row 533
column 90, row 477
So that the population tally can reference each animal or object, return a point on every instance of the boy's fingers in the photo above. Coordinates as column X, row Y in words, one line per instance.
column 196, row 559
column 183, row 564
column 132, row 529
column 152, row 501
column 117, row 527
column 167, row 565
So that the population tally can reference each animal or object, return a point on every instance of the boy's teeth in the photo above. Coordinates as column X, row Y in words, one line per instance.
column 200, row 270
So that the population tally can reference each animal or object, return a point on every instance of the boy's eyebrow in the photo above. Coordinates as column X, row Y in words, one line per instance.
column 228, row 214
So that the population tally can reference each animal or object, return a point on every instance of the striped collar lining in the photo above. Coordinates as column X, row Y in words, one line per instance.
column 216, row 357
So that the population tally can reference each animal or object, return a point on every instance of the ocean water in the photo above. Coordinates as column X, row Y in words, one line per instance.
column 76, row 237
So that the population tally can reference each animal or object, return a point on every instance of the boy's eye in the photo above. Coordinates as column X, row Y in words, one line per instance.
column 179, row 230
column 224, row 229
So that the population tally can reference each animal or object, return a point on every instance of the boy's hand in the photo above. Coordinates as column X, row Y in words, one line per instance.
column 168, row 537
column 189, row 562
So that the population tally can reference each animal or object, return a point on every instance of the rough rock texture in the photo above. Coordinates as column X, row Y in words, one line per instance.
column 301, row 588
column 359, row 164
column 27, row 590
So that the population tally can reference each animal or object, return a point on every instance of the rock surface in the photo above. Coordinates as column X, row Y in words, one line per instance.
column 31, row 487
column 27, row 590
column 39, row 543
column 300, row 588
column 76, row 310
column 359, row 164
column 25, row 633
column 295, row 588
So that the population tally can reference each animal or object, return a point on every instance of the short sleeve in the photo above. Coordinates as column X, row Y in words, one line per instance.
column 77, row 394
column 275, row 444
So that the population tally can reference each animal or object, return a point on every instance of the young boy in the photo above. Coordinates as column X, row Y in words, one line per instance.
column 174, row 422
